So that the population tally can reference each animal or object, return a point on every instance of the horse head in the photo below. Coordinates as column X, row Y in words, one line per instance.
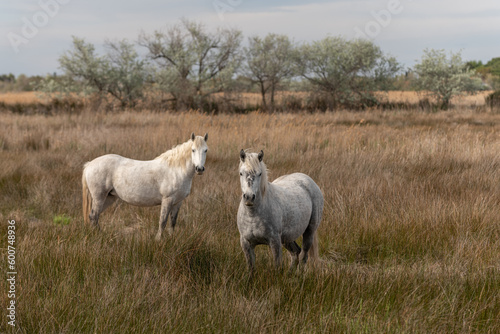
column 199, row 150
column 253, row 176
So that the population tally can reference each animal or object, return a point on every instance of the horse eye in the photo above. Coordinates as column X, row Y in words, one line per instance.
column 206, row 150
column 193, row 150
column 241, row 174
column 259, row 174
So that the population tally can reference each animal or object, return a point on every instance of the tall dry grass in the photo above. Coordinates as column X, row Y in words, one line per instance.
column 409, row 241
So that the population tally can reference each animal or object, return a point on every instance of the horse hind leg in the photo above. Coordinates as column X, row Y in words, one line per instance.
column 173, row 217
column 95, row 212
column 275, row 245
column 310, row 237
column 307, row 244
column 294, row 250
column 110, row 200
column 99, row 204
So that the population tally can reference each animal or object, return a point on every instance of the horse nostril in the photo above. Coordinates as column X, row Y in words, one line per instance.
column 249, row 197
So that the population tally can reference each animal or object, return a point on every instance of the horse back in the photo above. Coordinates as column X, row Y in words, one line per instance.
column 300, row 199
column 131, row 180
column 101, row 169
column 299, row 183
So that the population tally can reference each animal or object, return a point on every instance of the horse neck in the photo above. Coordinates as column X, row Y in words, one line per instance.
column 188, row 167
column 179, row 158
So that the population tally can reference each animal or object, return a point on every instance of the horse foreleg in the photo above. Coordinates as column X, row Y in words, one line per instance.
column 166, row 206
column 173, row 217
column 275, row 245
column 248, row 250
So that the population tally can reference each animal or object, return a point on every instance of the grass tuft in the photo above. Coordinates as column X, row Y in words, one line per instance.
column 409, row 241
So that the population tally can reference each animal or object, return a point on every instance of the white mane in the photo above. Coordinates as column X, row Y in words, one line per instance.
column 179, row 155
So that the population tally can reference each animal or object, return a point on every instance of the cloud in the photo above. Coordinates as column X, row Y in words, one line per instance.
column 450, row 25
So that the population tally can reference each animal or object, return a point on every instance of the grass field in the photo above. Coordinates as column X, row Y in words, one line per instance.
column 409, row 241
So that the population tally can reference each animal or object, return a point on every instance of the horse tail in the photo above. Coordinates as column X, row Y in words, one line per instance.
column 314, row 250
column 86, row 200
column 316, row 219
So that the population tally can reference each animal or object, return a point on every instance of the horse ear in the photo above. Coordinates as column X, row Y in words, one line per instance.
column 261, row 155
column 192, row 136
column 206, row 137
column 242, row 155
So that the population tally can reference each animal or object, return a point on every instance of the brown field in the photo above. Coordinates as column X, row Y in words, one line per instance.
column 409, row 97
column 409, row 241
column 470, row 100
column 19, row 97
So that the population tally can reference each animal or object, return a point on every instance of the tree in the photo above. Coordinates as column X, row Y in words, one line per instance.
column 493, row 66
column 84, row 68
column 444, row 77
column 8, row 78
column 348, row 71
column 268, row 62
column 191, row 61
column 126, row 72
column 119, row 73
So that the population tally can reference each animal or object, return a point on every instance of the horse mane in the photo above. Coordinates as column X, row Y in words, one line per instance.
column 253, row 165
column 178, row 155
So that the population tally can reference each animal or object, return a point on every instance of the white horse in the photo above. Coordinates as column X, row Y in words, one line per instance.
column 164, row 181
column 277, row 213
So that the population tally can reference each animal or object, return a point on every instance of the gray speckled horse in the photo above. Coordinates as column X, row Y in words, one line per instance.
column 164, row 181
column 277, row 213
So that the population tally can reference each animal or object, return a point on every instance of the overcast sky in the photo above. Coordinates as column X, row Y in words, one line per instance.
column 34, row 33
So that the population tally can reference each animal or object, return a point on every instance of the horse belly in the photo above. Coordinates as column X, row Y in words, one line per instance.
column 137, row 187
column 138, row 196
column 295, row 225
column 297, row 210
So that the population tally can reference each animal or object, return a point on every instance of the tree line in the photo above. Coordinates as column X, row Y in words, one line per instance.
column 187, row 64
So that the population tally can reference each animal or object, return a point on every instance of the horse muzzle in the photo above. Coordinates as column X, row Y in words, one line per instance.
column 199, row 170
column 249, row 199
